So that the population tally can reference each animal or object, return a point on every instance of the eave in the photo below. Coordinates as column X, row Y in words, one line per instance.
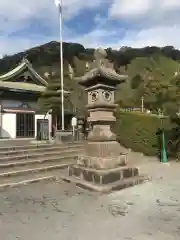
column 25, row 64
column 106, row 73
column 25, row 87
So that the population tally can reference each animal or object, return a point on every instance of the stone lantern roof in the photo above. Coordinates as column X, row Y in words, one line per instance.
column 101, row 71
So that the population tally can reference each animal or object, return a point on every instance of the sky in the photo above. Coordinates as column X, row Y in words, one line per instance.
column 93, row 23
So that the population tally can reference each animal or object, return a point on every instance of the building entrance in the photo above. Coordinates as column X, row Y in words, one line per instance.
column 25, row 125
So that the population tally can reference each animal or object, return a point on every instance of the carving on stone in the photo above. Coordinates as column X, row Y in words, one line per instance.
column 100, row 54
column 94, row 96
column 100, row 60
column 70, row 71
column 107, row 95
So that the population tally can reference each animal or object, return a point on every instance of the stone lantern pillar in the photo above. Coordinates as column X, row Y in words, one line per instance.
column 103, row 166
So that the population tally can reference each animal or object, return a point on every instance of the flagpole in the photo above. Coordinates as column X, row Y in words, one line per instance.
column 59, row 3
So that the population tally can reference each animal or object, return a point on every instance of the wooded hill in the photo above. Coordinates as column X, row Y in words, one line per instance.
column 154, row 73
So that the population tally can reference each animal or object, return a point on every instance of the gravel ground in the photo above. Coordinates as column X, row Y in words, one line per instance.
column 45, row 211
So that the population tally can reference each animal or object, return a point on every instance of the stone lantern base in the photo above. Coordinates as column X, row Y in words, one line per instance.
column 102, row 172
column 104, row 180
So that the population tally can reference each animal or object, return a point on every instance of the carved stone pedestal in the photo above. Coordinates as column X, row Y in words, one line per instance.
column 103, row 149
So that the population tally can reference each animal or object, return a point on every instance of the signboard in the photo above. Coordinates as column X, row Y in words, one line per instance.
column 18, row 104
column 74, row 122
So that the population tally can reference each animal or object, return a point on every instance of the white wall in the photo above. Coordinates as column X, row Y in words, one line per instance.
column 41, row 116
column 8, row 125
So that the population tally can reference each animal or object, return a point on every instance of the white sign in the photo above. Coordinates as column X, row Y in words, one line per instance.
column 74, row 122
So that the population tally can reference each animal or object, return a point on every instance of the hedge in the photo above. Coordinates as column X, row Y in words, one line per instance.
column 140, row 131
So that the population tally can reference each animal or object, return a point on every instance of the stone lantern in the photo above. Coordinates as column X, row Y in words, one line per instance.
column 103, row 165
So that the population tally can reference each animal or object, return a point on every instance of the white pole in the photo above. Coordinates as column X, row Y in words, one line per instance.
column 59, row 4
column 0, row 119
column 73, row 128
column 142, row 104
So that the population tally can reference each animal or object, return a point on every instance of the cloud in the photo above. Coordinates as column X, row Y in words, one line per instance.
column 20, row 10
column 96, row 38
column 23, row 15
column 18, row 44
column 125, row 8
column 156, row 36
column 73, row 7
column 19, row 14
column 115, row 23
column 146, row 12
column 150, row 22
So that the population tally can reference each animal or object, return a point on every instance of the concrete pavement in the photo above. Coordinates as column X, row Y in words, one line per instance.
column 57, row 210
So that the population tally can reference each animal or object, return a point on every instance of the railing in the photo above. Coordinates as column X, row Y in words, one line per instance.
column 133, row 109
column 68, row 136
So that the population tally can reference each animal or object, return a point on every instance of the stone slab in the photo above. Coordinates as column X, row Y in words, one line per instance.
column 115, row 186
column 102, row 162
column 102, row 176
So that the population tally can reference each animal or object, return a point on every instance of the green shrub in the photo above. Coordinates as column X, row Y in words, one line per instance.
column 140, row 131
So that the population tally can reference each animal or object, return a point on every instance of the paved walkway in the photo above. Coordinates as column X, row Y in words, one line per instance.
column 45, row 211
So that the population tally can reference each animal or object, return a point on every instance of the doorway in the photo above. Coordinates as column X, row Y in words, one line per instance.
column 25, row 125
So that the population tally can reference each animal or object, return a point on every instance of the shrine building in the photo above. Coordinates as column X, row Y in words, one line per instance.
column 20, row 89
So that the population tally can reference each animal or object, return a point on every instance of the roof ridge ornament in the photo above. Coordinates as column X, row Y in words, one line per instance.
column 26, row 61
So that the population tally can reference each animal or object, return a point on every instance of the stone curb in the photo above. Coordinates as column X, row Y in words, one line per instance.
column 105, row 188
column 26, row 182
column 33, row 170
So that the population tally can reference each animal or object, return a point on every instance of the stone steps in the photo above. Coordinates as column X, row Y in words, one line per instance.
column 17, row 180
column 31, row 174
column 31, row 163
column 46, row 154
column 37, row 168
column 8, row 151
column 36, row 163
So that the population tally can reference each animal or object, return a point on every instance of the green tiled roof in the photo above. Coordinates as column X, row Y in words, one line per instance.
column 22, row 86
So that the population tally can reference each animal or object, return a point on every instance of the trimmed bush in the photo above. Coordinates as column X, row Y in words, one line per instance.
column 141, row 131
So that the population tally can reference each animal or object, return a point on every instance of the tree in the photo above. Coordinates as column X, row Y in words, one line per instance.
column 74, row 102
column 156, row 93
column 51, row 98
column 136, row 81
